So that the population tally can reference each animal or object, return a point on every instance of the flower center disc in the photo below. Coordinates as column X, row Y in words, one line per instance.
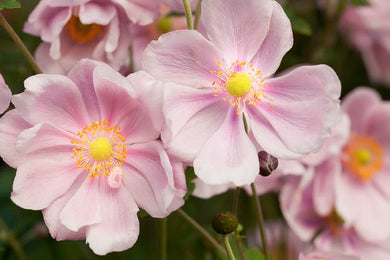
column 100, row 149
column 238, row 84
column 362, row 156
column 82, row 33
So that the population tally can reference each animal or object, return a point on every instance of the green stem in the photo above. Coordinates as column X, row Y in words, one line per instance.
column 197, row 14
column 7, row 236
column 235, row 211
column 201, row 230
column 20, row 44
column 162, row 239
column 229, row 250
column 260, row 221
column 188, row 12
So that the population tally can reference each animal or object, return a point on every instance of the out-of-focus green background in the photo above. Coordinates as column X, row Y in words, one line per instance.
column 26, row 227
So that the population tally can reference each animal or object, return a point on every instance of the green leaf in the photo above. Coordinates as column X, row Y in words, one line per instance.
column 190, row 176
column 9, row 4
column 359, row 2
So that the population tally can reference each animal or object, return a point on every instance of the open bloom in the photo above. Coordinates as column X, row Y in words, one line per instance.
column 5, row 95
column 224, row 77
column 85, row 152
column 95, row 29
column 368, row 28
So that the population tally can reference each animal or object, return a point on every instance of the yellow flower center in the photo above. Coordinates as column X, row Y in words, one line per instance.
column 363, row 156
column 99, row 148
column 238, row 84
column 164, row 25
column 82, row 33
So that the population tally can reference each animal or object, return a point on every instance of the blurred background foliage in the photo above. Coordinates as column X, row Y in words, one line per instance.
column 316, row 40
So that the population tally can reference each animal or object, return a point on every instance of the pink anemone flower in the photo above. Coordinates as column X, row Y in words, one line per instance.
column 5, row 95
column 220, row 97
column 97, row 29
column 87, row 155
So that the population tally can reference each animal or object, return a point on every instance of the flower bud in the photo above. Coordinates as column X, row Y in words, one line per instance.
column 267, row 162
column 225, row 222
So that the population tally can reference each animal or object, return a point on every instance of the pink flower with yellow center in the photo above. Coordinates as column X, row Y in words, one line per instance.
column 86, row 154
column 221, row 99
column 97, row 29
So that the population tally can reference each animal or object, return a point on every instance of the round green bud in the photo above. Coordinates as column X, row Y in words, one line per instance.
column 225, row 222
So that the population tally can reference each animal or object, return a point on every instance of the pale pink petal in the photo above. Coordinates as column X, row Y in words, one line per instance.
column 51, row 216
column 360, row 203
column 5, row 95
column 82, row 74
column 266, row 136
column 11, row 125
column 356, row 104
column 84, row 207
column 190, row 112
column 179, row 57
column 382, row 178
column 119, row 226
column 48, row 64
column 99, row 13
column 302, row 122
column 236, row 28
column 150, row 93
column 324, row 183
column 304, row 83
column 376, row 125
column 42, row 178
column 42, row 136
column 229, row 155
column 142, row 12
column 52, row 98
column 297, row 208
column 278, row 41
column 119, row 106
column 150, row 178
column 205, row 191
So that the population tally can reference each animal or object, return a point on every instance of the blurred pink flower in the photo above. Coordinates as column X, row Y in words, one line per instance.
column 347, row 192
column 368, row 29
column 89, row 155
column 297, row 200
column 95, row 29
column 226, row 76
column 5, row 95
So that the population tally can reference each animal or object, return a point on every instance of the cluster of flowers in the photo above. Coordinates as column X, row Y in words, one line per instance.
column 92, row 146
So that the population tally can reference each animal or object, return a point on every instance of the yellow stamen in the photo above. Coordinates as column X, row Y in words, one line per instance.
column 82, row 33
column 100, row 149
column 238, row 84
column 363, row 156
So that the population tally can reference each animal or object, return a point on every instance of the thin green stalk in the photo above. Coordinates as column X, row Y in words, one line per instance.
column 162, row 223
column 188, row 12
column 20, row 44
column 260, row 221
column 201, row 230
column 235, row 211
column 229, row 250
column 7, row 236
column 197, row 14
